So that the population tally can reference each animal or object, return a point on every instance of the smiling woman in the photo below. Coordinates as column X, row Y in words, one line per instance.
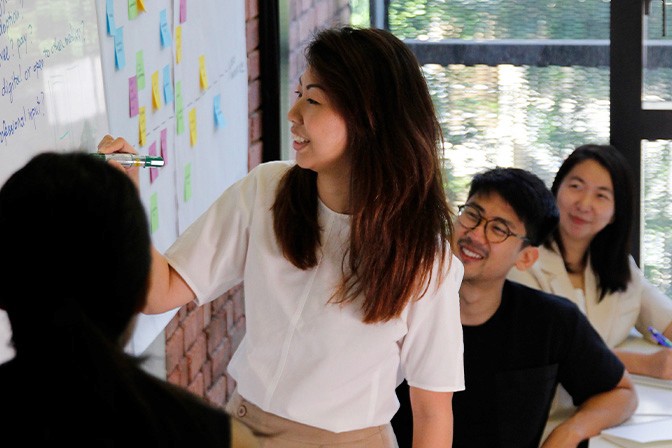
column 588, row 260
column 345, row 255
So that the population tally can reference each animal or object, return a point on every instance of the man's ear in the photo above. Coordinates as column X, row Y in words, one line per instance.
column 526, row 257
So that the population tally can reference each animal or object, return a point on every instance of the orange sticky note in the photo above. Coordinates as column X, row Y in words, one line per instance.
column 156, row 96
column 141, row 5
column 142, row 126
column 192, row 126
column 178, row 44
column 203, row 72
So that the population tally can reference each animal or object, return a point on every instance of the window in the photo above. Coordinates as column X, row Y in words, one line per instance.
column 524, row 82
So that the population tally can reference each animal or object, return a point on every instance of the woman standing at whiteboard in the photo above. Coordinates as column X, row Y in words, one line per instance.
column 350, row 283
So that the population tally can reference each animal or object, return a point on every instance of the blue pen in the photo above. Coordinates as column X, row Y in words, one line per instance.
column 660, row 338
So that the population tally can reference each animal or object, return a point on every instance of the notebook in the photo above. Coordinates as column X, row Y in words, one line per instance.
column 655, row 434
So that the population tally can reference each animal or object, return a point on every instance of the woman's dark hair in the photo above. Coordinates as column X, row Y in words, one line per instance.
column 401, row 222
column 610, row 248
column 76, row 238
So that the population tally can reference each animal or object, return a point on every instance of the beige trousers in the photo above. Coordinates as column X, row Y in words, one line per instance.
column 277, row 432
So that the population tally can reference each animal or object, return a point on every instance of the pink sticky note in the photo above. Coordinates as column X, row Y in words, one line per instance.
column 183, row 11
column 153, row 172
column 133, row 96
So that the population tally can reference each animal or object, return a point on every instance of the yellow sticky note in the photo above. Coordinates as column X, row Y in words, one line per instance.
column 141, row 5
column 154, row 213
column 187, row 182
column 156, row 96
column 178, row 44
column 143, row 126
column 192, row 126
column 203, row 72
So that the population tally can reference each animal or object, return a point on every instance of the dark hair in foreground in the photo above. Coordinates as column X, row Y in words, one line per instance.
column 610, row 248
column 401, row 222
column 76, row 240
column 77, row 256
column 526, row 194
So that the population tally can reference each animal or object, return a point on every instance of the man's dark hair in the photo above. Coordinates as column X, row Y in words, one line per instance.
column 532, row 201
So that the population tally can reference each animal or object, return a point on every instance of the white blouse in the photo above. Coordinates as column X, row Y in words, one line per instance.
column 303, row 358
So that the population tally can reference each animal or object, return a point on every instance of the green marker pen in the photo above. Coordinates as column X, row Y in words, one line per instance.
column 127, row 159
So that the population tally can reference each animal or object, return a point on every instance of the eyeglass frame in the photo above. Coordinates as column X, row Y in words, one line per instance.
column 508, row 234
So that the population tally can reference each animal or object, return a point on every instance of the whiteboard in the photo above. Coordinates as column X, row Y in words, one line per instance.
column 183, row 46
column 51, row 86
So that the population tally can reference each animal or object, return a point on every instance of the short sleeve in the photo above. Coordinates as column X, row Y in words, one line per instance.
column 211, row 253
column 432, row 350
column 589, row 367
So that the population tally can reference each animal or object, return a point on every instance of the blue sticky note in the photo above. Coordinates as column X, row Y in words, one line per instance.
column 119, row 55
column 219, row 116
column 166, row 39
column 109, row 10
column 167, row 85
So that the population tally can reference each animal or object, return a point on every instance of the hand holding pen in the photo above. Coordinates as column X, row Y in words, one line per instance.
column 110, row 145
column 660, row 338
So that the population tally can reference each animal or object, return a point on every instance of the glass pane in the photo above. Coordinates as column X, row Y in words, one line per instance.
column 530, row 117
column 656, row 238
column 499, row 19
column 657, row 51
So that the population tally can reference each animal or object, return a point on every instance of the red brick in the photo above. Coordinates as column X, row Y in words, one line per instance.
column 193, row 327
column 252, row 35
column 255, row 125
column 216, row 331
column 196, row 357
column 216, row 394
column 254, row 95
column 254, row 155
column 174, row 349
column 253, row 65
column 220, row 359
column 197, row 387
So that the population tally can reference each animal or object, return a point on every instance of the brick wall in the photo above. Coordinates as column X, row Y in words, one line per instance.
column 201, row 340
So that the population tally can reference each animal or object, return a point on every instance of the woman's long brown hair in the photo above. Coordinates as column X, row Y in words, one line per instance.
column 401, row 223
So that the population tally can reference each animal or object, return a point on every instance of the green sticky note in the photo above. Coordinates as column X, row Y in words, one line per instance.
column 179, row 108
column 132, row 9
column 154, row 213
column 140, row 69
column 187, row 182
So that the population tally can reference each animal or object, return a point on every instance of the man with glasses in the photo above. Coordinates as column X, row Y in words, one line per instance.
column 520, row 343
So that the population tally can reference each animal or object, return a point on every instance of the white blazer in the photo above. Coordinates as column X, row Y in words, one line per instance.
column 641, row 305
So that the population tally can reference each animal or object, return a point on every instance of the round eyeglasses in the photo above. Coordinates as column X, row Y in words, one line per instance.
column 495, row 230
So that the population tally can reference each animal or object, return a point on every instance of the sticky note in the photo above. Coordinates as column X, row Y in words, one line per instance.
column 187, row 182
column 153, row 211
column 109, row 12
column 153, row 172
column 193, row 137
column 132, row 9
column 141, row 6
column 203, row 73
column 119, row 55
column 140, row 69
column 219, row 116
column 132, row 96
column 183, row 11
column 165, row 30
column 167, row 85
column 178, row 44
column 164, row 145
column 156, row 98
column 179, row 108
column 142, row 126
